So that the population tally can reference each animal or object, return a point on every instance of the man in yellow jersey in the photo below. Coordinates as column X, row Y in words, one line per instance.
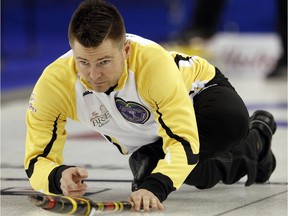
column 177, row 115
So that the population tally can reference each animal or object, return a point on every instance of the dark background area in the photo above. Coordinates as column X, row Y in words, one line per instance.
column 34, row 33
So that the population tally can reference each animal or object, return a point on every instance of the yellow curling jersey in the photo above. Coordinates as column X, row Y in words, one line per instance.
column 153, row 99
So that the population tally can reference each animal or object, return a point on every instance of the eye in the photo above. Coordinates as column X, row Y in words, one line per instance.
column 83, row 62
column 104, row 62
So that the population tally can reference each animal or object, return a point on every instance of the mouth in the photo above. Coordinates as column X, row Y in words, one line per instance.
column 97, row 83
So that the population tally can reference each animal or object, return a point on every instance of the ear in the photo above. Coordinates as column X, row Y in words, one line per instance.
column 127, row 48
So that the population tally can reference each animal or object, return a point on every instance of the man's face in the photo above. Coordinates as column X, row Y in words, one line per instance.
column 102, row 66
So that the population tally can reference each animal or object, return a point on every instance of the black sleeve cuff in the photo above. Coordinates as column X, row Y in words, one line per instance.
column 160, row 185
column 54, row 179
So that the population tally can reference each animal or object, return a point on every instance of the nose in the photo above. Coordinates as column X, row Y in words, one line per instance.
column 95, row 73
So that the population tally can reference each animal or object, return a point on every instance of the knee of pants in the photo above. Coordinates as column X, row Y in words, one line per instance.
column 144, row 160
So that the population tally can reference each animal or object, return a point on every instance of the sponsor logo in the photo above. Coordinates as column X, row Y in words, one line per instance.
column 132, row 111
column 87, row 93
column 100, row 119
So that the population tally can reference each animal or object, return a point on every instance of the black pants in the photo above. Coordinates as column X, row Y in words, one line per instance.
column 227, row 144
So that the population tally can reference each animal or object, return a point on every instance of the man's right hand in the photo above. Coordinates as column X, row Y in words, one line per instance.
column 72, row 181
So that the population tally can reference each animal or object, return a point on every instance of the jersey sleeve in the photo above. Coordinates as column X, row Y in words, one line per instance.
column 162, row 86
column 49, row 107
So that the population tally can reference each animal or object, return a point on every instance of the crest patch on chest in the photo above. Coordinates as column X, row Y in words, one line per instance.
column 132, row 111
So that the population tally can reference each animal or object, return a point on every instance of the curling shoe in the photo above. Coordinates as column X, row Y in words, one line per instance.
column 264, row 122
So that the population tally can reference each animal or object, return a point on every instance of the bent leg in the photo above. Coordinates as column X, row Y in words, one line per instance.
column 227, row 146
column 230, row 144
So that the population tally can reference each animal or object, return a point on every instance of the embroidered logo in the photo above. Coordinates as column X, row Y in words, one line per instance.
column 100, row 119
column 132, row 111
column 31, row 101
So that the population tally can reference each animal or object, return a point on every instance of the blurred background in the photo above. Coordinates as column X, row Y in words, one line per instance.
column 242, row 38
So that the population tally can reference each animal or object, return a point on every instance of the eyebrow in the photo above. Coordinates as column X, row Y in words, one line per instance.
column 78, row 57
column 99, row 59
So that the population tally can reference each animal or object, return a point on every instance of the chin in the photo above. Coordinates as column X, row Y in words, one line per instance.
column 100, row 90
